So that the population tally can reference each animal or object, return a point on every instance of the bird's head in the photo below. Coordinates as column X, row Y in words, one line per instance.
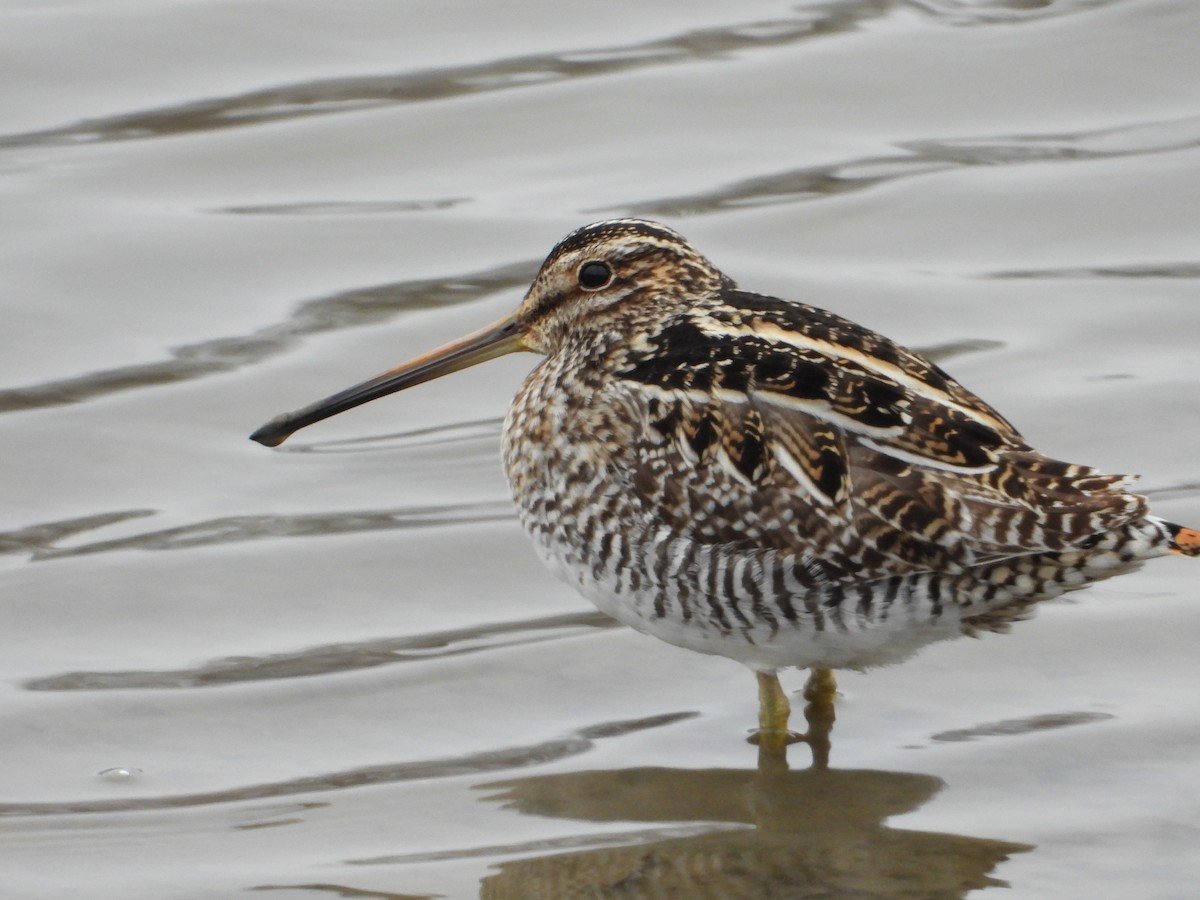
column 598, row 278
column 609, row 273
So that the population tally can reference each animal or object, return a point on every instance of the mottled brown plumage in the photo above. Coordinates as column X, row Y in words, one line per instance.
column 765, row 480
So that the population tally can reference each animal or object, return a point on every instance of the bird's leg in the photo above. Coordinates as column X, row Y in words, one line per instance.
column 773, row 707
column 820, row 691
column 821, row 687
column 772, row 736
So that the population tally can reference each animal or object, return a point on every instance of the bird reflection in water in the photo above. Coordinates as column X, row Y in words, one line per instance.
column 774, row 834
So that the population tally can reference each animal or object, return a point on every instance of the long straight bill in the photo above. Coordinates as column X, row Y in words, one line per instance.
column 497, row 339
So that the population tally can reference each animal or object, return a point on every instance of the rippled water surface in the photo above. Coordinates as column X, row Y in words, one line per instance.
column 337, row 669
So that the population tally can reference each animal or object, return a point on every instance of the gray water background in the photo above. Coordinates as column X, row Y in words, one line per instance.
column 337, row 669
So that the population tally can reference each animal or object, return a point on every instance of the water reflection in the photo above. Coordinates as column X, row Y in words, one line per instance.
column 1150, row 270
column 317, row 97
column 354, row 308
column 40, row 541
column 333, row 95
column 772, row 834
column 927, row 157
column 328, row 659
column 341, row 890
column 1026, row 725
column 472, row 764
column 1001, row 12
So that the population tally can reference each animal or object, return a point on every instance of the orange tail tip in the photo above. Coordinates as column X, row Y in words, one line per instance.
column 1185, row 541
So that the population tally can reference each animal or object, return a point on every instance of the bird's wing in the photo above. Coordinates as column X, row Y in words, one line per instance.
column 772, row 424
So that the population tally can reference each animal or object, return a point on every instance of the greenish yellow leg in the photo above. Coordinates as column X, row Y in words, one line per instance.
column 773, row 706
column 820, row 691
column 821, row 687
column 772, row 736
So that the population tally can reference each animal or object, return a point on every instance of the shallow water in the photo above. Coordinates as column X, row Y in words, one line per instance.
column 337, row 669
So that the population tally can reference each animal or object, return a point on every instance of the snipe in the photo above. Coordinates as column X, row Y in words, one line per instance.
column 767, row 481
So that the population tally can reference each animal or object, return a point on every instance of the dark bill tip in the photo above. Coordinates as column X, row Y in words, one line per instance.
column 273, row 433
column 495, row 340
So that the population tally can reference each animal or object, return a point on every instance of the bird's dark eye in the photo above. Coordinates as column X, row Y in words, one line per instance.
column 594, row 275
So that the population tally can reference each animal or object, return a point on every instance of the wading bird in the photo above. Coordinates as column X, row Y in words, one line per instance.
column 764, row 480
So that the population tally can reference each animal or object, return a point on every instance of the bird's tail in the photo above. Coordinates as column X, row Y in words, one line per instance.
column 1185, row 541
